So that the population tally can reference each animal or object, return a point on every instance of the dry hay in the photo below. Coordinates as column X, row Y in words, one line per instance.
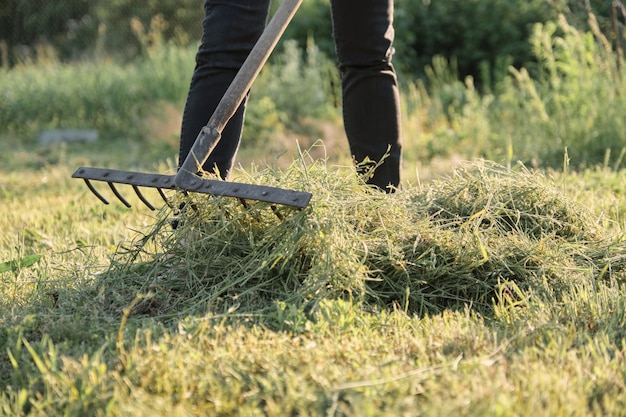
column 457, row 242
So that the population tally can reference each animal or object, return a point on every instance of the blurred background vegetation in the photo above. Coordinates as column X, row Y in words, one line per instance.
column 483, row 37
column 499, row 79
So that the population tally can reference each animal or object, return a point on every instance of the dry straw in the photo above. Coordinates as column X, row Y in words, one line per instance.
column 455, row 243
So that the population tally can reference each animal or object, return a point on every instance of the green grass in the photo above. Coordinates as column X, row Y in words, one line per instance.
column 569, row 100
column 103, row 95
column 491, row 289
column 488, row 292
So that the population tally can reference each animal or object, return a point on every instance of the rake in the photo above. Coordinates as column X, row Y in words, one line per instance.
column 186, row 179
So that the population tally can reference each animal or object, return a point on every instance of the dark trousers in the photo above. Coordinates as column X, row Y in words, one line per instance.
column 363, row 33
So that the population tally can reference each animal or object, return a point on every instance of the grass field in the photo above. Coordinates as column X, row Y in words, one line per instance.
column 490, row 291
column 485, row 287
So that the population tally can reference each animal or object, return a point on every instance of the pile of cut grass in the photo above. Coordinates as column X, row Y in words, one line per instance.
column 464, row 240
column 240, row 312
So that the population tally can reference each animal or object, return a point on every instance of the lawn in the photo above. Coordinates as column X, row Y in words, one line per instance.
column 489, row 291
column 493, row 284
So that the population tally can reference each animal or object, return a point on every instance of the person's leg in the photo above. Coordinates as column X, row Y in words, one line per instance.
column 230, row 30
column 363, row 32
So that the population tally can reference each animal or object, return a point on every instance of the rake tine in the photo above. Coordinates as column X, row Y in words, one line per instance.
column 118, row 195
column 142, row 198
column 277, row 213
column 214, row 188
column 244, row 203
column 164, row 197
column 95, row 192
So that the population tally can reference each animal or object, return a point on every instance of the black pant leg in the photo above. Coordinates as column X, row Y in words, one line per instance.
column 230, row 30
column 363, row 32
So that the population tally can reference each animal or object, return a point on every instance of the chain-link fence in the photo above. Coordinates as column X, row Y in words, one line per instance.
column 32, row 30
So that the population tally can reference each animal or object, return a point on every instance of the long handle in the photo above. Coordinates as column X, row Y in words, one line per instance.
column 236, row 92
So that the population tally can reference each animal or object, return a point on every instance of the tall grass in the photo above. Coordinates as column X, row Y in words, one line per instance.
column 570, row 102
column 297, row 86
column 581, row 84
column 103, row 95
column 116, row 99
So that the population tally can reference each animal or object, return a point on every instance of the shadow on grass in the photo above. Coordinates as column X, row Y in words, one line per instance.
column 468, row 240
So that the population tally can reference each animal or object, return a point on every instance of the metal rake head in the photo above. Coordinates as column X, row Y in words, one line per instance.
column 187, row 183
column 209, row 136
column 134, row 179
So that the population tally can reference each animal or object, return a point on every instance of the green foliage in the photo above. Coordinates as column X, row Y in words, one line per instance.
column 66, row 27
column 14, row 265
column 575, row 98
column 33, row 30
column 129, row 28
column 572, row 102
column 297, row 84
column 579, row 80
column 111, row 98
column 570, row 106
column 610, row 14
column 116, row 99
column 482, row 36
column 312, row 22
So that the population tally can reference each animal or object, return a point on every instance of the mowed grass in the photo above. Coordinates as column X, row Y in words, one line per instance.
column 489, row 291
